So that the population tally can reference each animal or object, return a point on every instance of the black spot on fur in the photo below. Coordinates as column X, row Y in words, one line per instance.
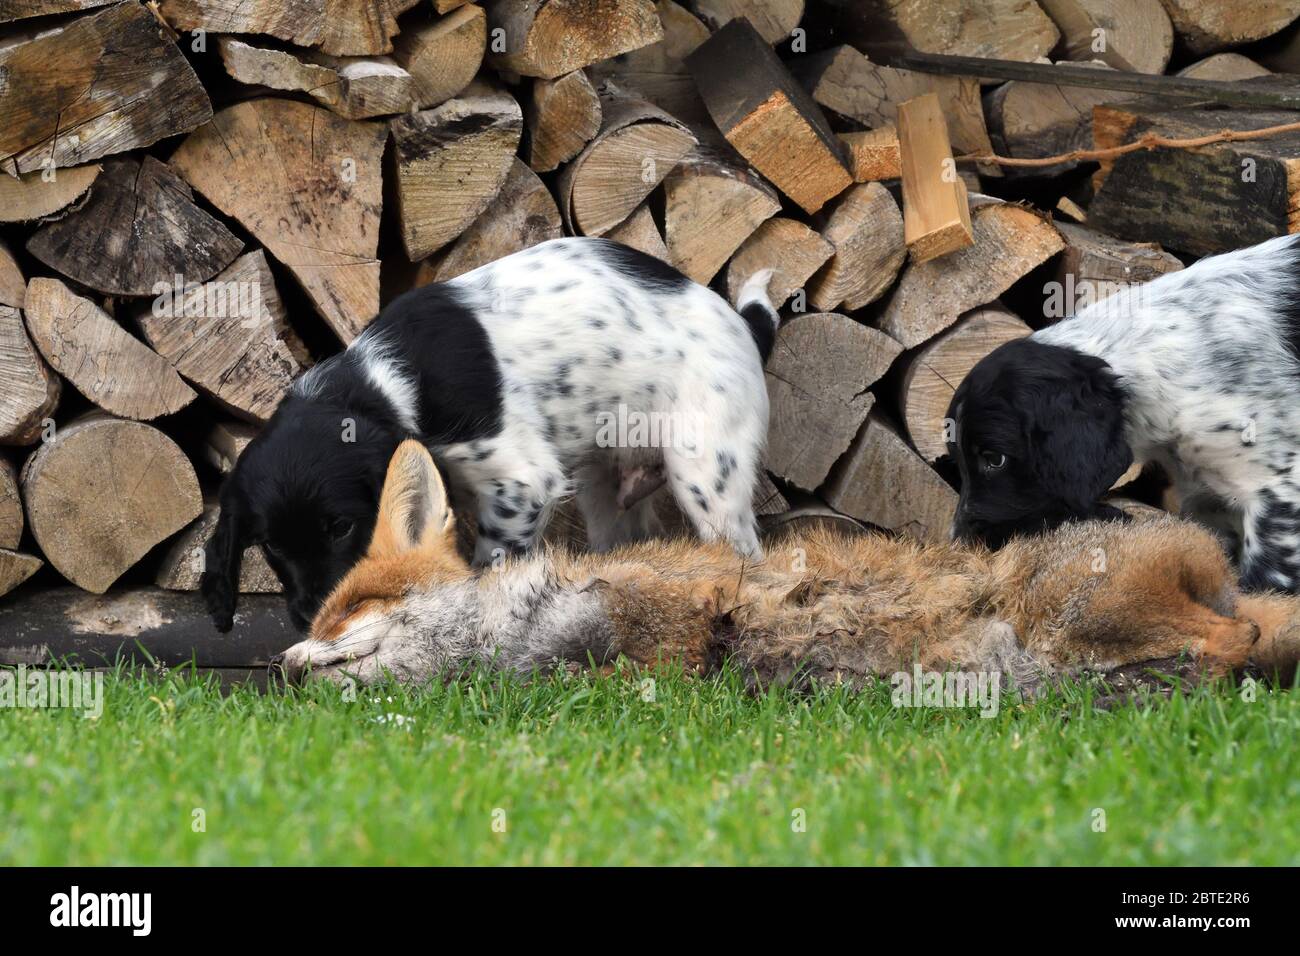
column 653, row 275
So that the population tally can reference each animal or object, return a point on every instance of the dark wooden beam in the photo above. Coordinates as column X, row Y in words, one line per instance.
column 1270, row 92
column 42, row 626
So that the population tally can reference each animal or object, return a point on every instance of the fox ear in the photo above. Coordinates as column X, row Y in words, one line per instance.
column 414, row 513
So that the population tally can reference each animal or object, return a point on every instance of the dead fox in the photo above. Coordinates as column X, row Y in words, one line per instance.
column 823, row 606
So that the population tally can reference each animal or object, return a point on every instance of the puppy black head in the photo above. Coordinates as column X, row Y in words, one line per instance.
column 1037, row 432
column 305, row 490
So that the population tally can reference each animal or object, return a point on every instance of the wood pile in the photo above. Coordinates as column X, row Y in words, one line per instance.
column 199, row 199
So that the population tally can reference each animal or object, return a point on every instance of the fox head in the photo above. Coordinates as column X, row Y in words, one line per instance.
column 410, row 584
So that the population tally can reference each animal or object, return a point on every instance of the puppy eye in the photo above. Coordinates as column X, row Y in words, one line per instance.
column 992, row 460
column 340, row 528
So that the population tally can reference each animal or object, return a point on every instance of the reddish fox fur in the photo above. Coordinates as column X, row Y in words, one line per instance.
column 822, row 605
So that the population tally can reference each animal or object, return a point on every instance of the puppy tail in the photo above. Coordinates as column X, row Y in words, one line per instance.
column 758, row 312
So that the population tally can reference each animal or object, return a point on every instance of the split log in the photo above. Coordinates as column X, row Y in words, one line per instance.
column 1133, row 35
column 1010, row 240
column 549, row 38
column 29, row 391
column 21, row 9
column 1229, row 67
column 658, row 73
column 522, row 215
column 1095, row 266
column 308, row 185
column 793, row 250
column 444, row 55
column 713, row 202
column 866, row 229
column 338, row 27
column 844, row 81
column 768, row 499
column 182, row 564
column 883, row 482
column 939, row 366
column 230, row 338
column 11, row 507
column 101, row 84
column 638, row 144
column 1131, row 474
column 446, row 6
column 936, row 216
column 873, row 154
column 563, row 116
column 355, row 88
column 640, row 231
column 817, row 381
column 15, row 568
column 774, row 20
column 117, row 372
column 996, row 29
column 39, row 195
column 13, row 287
column 139, row 230
column 1206, row 26
column 1199, row 201
column 452, row 161
column 1068, row 207
column 225, row 442
column 1032, row 120
column 1281, row 51
column 768, row 117
column 103, row 493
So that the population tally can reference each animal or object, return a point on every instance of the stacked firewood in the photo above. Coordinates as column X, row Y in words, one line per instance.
column 201, row 198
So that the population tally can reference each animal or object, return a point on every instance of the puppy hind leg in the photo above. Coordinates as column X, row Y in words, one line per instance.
column 1270, row 546
column 714, row 488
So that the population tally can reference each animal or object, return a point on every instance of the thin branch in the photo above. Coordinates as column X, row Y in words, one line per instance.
column 1146, row 141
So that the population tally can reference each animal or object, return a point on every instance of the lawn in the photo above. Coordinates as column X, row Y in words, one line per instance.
column 590, row 770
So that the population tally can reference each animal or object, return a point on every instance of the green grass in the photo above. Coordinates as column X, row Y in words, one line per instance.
column 587, row 772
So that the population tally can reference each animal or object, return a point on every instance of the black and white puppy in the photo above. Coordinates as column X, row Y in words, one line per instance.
column 1197, row 370
column 561, row 369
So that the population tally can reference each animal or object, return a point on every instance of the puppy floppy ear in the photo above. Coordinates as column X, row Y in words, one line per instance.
column 222, row 557
column 414, row 513
column 1080, row 449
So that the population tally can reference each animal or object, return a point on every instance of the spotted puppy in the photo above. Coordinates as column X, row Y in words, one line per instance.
column 578, row 365
column 1196, row 370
